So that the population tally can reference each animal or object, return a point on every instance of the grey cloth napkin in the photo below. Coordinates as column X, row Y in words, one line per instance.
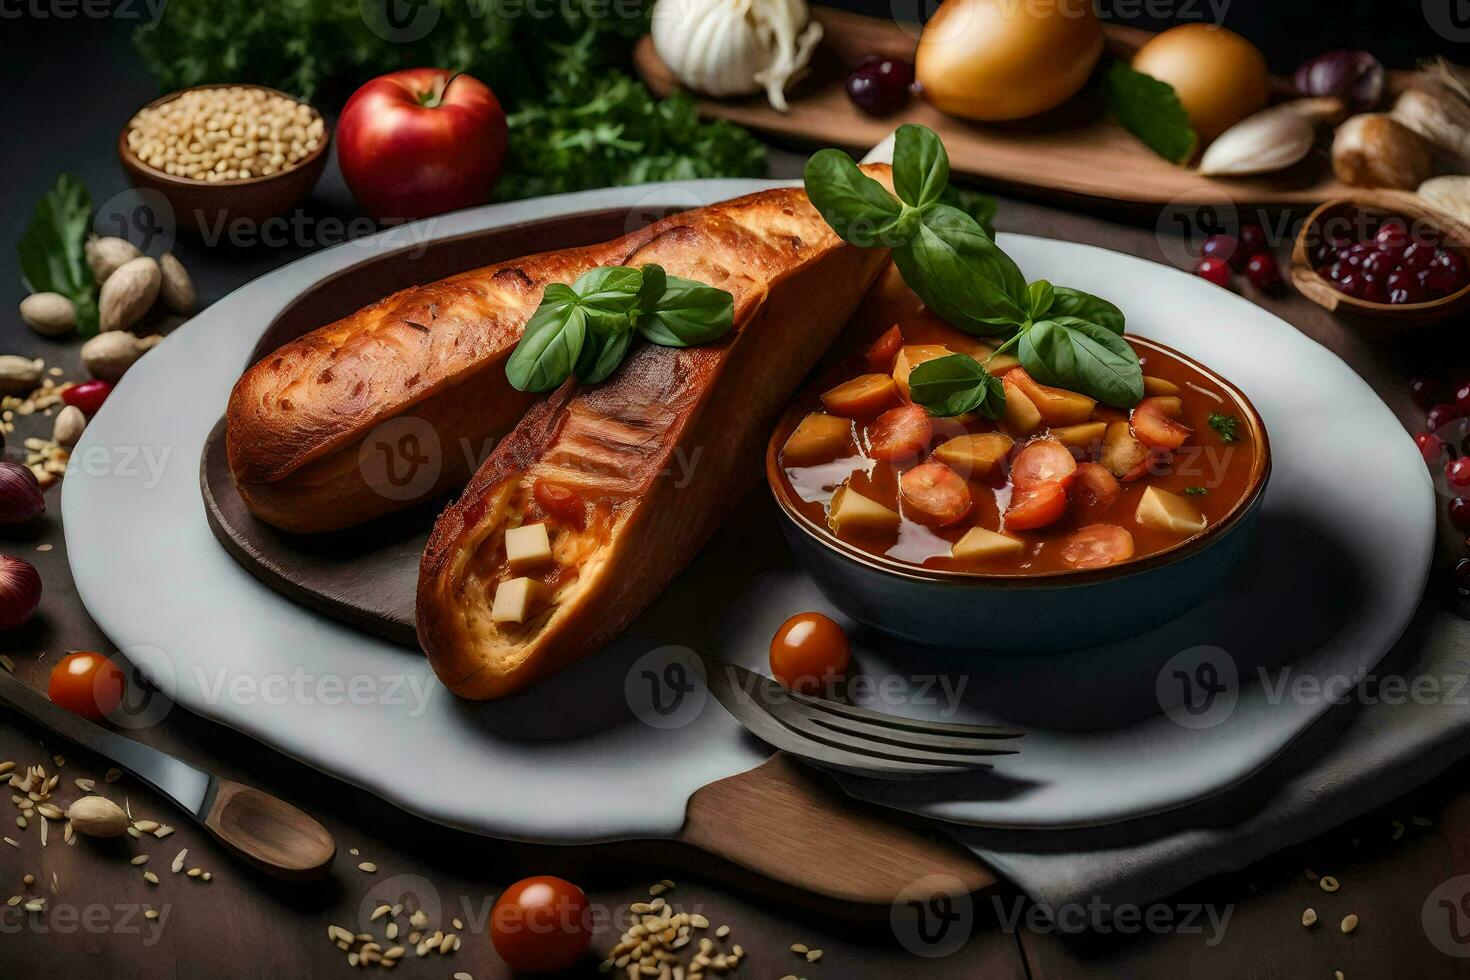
column 1361, row 754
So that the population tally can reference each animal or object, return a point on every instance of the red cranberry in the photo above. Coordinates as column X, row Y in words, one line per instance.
column 1459, row 511
column 1261, row 270
column 88, row 396
column 1252, row 240
column 1378, row 264
column 1392, row 236
column 1374, row 291
column 1219, row 247
column 880, row 86
column 1439, row 416
column 1418, row 256
column 1457, row 474
column 1337, row 270
column 1447, row 272
column 1425, row 392
column 1431, row 446
column 1352, row 283
column 1216, row 270
column 1402, row 281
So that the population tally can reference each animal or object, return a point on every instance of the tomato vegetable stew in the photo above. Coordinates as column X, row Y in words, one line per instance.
column 1060, row 483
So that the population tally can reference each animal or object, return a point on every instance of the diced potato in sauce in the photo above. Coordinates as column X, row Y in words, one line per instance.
column 1169, row 512
column 527, row 546
column 1123, row 455
column 1021, row 416
column 517, row 599
column 853, row 513
column 1158, row 386
column 1081, row 436
column 1056, row 405
column 980, row 543
column 819, row 438
column 976, row 455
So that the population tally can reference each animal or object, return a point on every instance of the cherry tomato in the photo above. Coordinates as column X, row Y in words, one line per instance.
column 1097, row 545
column 1093, row 490
column 1430, row 446
column 900, row 433
column 808, row 652
column 861, row 397
column 936, row 492
column 1457, row 474
column 1042, row 461
column 885, row 350
column 88, row 396
column 560, row 502
column 1215, row 270
column 1439, row 416
column 1041, row 505
column 1153, row 423
column 87, row 684
column 538, row 925
column 421, row 142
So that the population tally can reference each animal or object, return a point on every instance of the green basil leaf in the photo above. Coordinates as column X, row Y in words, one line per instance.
column 858, row 208
column 552, row 342
column 1149, row 109
column 956, row 384
column 1085, row 306
column 51, row 249
column 1079, row 355
column 688, row 313
column 654, row 281
column 979, row 206
column 1040, row 293
column 920, row 166
column 609, row 287
column 602, row 354
column 961, row 274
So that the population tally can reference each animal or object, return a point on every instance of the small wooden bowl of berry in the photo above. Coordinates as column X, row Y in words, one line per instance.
column 1384, row 257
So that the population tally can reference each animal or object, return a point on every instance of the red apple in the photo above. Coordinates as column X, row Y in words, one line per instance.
column 420, row 142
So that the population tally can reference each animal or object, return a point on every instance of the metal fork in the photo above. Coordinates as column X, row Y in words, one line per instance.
column 856, row 740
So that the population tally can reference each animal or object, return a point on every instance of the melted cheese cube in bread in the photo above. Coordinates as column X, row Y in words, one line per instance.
column 516, row 599
column 1169, row 512
column 527, row 546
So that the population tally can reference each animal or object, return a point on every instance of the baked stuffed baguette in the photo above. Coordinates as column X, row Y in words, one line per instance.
column 306, row 436
column 597, row 468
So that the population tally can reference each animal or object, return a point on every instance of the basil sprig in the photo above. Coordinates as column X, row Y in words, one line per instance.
column 1063, row 336
column 586, row 329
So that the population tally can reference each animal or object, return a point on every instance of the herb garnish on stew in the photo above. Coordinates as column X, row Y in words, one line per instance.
column 1063, row 337
column 1227, row 426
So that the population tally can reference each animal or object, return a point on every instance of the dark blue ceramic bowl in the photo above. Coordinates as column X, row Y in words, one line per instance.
column 1023, row 612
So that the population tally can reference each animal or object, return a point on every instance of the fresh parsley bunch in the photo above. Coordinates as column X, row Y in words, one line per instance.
column 1063, row 337
column 586, row 329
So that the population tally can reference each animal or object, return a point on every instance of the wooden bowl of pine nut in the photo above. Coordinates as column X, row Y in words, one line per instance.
column 225, row 154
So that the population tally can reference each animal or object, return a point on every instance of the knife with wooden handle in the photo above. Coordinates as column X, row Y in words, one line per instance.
column 267, row 832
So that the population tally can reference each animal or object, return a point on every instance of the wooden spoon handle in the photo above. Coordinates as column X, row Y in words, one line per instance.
column 269, row 833
column 787, row 822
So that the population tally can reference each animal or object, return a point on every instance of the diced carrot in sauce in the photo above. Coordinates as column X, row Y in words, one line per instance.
column 911, row 356
column 1021, row 417
column 1154, row 423
column 1097, row 545
column 1124, row 456
column 939, row 494
column 1037, row 507
column 1092, row 490
column 560, row 502
column 885, row 350
column 900, row 433
column 861, row 398
column 818, row 438
column 1056, row 405
column 975, row 456
column 1042, row 461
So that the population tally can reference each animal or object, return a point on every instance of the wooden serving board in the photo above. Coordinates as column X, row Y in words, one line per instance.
column 1075, row 151
column 780, row 828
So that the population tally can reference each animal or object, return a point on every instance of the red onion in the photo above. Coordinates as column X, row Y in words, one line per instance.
column 20, row 591
column 20, row 494
column 1356, row 77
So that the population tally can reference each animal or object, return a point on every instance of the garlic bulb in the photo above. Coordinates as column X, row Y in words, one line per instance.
column 1271, row 140
column 1441, row 117
column 736, row 47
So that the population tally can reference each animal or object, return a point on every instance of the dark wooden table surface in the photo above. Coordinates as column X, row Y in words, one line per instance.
column 242, row 925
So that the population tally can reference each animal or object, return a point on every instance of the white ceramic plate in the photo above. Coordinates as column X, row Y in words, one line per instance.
column 1330, row 583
